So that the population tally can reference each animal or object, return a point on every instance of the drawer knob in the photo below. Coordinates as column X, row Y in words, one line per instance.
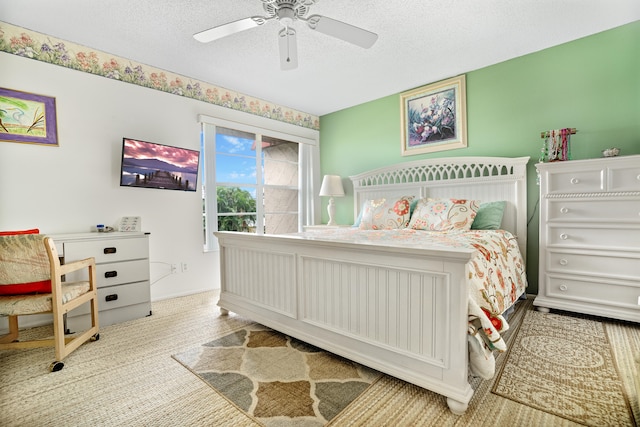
column 574, row 180
column 111, row 297
column 564, row 262
column 563, row 287
column 564, row 236
column 564, row 210
column 110, row 274
column 109, row 250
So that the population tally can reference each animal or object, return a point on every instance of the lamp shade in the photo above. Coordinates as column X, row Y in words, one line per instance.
column 332, row 186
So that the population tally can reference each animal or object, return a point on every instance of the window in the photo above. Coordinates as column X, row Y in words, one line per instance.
column 255, row 181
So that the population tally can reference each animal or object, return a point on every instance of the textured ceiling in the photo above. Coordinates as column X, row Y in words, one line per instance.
column 420, row 41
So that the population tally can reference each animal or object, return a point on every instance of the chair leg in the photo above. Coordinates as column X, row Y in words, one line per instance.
column 58, row 336
column 13, row 331
column 65, row 346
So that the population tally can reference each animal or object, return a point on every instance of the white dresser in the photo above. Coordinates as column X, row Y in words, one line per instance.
column 122, row 269
column 590, row 237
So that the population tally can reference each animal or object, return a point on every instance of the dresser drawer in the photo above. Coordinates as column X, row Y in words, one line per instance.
column 624, row 178
column 576, row 181
column 623, row 267
column 122, row 272
column 598, row 292
column 115, row 273
column 117, row 296
column 594, row 210
column 620, row 239
column 107, row 250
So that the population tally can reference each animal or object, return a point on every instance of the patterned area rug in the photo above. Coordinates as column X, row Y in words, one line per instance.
column 276, row 379
column 563, row 364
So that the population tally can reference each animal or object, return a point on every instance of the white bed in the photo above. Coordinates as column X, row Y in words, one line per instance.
column 403, row 310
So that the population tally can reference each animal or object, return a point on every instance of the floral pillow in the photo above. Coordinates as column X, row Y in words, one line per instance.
column 383, row 214
column 444, row 214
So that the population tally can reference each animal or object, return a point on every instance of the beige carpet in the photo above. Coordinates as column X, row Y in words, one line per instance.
column 128, row 378
column 277, row 379
column 563, row 364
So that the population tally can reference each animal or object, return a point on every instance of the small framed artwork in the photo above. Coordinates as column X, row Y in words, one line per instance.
column 434, row 117
column 28, row 118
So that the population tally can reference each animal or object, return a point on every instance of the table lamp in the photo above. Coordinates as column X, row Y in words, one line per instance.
column 331, row 187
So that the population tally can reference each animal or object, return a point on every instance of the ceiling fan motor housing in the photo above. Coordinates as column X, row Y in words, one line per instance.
column 287, row 11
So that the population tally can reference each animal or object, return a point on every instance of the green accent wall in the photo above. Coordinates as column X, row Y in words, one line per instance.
column 592, row 84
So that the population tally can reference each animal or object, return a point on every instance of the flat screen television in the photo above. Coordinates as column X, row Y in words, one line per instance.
column 150, row 165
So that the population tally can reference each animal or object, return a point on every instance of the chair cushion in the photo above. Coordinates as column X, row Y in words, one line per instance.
column 13, row 233
column 14, row 305
column 40, row 287
column 25, row 264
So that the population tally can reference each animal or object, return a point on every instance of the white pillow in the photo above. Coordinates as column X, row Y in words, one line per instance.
column 383, row 214
column 444, row 214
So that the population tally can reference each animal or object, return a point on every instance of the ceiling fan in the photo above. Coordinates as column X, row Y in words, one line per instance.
column 286, row 12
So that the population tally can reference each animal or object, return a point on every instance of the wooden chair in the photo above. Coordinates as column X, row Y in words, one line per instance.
column 28, row 262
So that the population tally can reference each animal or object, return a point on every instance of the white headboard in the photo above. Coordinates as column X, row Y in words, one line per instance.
column 487, row 179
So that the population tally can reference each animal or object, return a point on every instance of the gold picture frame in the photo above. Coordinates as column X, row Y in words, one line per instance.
column 434, row 117
column 28, row 118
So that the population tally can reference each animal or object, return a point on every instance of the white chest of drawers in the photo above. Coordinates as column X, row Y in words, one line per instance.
column 122, row 269
column 590, row 237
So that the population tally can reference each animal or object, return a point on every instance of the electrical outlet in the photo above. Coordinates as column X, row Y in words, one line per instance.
column 184, row 266
column 174, row 269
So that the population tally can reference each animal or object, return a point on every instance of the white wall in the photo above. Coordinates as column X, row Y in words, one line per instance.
column 72, row 187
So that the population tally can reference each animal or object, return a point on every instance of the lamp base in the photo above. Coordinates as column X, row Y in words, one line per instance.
column 332, row 212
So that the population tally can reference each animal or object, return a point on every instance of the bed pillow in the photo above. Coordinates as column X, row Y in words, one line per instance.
column 359, row 219
column 411, row 209
column 489, row 216
column 385, row 214
column 444, row 214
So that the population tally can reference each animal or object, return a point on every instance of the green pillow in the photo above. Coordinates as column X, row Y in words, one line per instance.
column 489, row 216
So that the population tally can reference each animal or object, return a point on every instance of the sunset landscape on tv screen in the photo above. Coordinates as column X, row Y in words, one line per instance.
column 151, row 165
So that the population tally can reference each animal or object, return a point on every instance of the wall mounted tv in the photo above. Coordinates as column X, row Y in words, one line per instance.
column 151, row 165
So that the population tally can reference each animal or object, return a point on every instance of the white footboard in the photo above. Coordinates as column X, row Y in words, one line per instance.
column 401, row 311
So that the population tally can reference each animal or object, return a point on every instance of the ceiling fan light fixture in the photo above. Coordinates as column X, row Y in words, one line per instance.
column 286, row 15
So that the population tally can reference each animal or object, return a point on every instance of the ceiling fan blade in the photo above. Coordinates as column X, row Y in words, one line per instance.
column 342, row 30
column 288, row 49
column 227, row 29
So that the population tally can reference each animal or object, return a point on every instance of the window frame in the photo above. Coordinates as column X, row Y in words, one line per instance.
column 308, row 165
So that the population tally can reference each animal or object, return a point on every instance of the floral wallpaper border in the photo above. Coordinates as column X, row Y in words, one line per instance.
column 41, row 47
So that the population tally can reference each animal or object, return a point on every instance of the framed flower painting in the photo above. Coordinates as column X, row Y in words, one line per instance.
column 434, row 117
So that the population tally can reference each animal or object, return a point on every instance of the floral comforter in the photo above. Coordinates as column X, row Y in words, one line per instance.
column 496, row 278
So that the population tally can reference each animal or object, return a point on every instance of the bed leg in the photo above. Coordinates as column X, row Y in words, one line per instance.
column 543, row 309
column 224, row 311
column 457, row 407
